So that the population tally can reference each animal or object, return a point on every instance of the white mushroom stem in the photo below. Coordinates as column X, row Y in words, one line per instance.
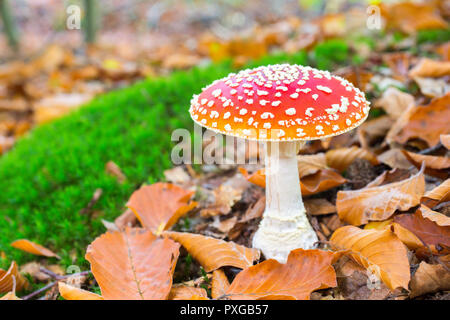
column 284, row 226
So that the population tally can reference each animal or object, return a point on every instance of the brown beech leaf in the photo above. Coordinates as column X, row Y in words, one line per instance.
column 114, row 170
column 340, row 159
column 438, row 195
column 379, row 250
column 183, row 292
column 395, row 102
column 214, row 253
column 432, row 163
column 427, row 122
column 311, row 164
column 410, row 17
column 11, row 278
column 428, row 232
column 225, row 197
column 429, row 278
column 319, row 206
column 373, row 129
column 358, row 207
column 304, row 272
column 219, row 284
column 437, row 217
column 69, row 292
column 320, row 181
column 394, row 158
column 445, row 140
column 10, row 296
column 160, row 205
column 33, row 248
column 430, row 68
column 133, row 264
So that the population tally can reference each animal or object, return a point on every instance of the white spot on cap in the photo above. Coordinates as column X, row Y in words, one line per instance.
column 263, row 102
column 294, row 95
column 267, row 125
column 210, row 103
column 216, row 93
column 204, row 101
column 262, row 93
column 249, row 101
column 300, row 132
column 324, row 89
column 308, row 112
column 226, row 115
column 243, row 111
column 335, row 127
column 348, row 122
column 233, row 91
column 214, row 114
column 290, row 111
column 315, row 96
column 267, row 115
column 228, row 127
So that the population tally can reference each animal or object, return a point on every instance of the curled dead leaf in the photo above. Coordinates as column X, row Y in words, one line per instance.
column 219, row 284
column 33, row 248
column 183, row 292
column 438, row 195
column 380, row 251
column 430, row 68
column 427, row 231
column 69, row 292
column 439, row 218
column 133, row 264
column 445, row 140
column 426, row 122
column 214, row 253
column 358, row 207
column 160, row 205
column 340, row 159
column 433, row 164
column 395, row 102
column 304, row 272
column 429, row 278
column 11, row 279
column 319, row 206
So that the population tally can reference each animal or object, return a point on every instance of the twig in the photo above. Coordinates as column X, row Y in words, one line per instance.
column 54, row 283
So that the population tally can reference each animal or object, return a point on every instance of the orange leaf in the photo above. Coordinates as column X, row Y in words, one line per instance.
column 340, row 159
column 429, row 232
column 439, row 218
column 33, row 248
column 358, row 207
column 427, row 122
column 432, row 163
column 10, row 296
column 304, row 272
column 410, row 17
column 445, row 140
column 438, row 195
column 69, row 292
column 310, row 164
column 219, row 284
column 213, row 253
column 182, row 292
column 429, row 278
column 133, row 264
column 160, row 205
column 11, row 279
column 429, row 68
column 379, row 250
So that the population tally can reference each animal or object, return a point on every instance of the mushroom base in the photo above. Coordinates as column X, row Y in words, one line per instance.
column 277, row 237
column 284, row 226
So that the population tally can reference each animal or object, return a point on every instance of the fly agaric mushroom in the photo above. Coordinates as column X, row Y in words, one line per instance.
column 284, row 105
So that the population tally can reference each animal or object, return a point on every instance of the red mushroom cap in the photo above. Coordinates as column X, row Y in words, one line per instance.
column 280, row 102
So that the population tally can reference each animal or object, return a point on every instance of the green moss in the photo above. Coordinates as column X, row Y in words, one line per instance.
column 433, row 36
column 331, row 53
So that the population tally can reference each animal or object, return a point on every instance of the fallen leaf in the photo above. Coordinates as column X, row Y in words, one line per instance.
column 445, row 140
column 176, row 175
column 395, row 102
column 11, row 279
column 394, row 158
column 160, row 205
column 219, row 284
column 433, row 162
column 33, row 248
column 255, row 210
column 133, row 264
column 126, row 219
column 433, row 87
column 304, row 272
column 183, row 292
column 373, row 129
column 427, row 122
column 341, row 158
column 410, row 17
column 225, row 197
column 50, row 108
column 430, row 68
column 406, row 236
column 319, row 206
column 438, row 218
column 438, row 195
column 69, row 292
column 213, row 253
column 10, row 296
column 358, row 207
column 429, row 278
column 311, row 164
column 379, row 250
column 114, row 170
column 427, row 231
